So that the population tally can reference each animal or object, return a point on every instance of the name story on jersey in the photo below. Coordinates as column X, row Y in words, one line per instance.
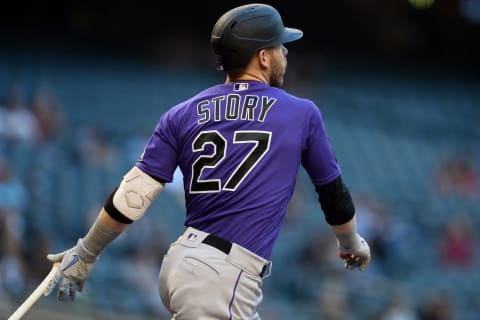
column 234, row 107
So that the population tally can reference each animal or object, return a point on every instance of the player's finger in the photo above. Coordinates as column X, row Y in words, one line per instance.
column 57, row 257
column 71, row 291
column 61, row 290
column 353, row 262
column 80, row 285
column 364, row 264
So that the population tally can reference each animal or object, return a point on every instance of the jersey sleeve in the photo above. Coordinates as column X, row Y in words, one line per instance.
column 318, row 157
column 159, row 158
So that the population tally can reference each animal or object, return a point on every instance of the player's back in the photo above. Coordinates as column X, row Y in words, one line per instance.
column 239, row 146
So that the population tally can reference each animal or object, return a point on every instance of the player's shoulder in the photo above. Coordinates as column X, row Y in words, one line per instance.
column 297, row 101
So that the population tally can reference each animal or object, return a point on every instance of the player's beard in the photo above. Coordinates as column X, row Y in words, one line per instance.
column 277, row 72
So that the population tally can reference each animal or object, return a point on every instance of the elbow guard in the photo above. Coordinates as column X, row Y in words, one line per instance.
column 131, row 199
column 336, row 202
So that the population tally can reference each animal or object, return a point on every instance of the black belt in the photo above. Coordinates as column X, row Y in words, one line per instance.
column 219, row 243
column 225, row 246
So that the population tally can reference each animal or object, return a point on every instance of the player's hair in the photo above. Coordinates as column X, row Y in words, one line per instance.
column 242, row 31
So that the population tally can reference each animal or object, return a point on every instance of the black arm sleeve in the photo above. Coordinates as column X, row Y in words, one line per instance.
column 336, row 202
column 113, row 211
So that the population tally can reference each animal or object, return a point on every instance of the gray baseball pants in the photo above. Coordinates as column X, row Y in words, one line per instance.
column 198, row 281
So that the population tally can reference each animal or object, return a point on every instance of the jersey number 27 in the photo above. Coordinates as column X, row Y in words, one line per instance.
column 261, row 145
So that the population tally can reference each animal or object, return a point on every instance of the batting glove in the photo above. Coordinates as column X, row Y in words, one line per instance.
column 354, row 250
column 75, row 266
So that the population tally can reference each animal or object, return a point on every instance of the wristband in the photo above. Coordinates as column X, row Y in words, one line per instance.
column 349, row 241
column 97, row 238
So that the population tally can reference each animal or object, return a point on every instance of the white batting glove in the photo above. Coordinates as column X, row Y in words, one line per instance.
column 75, row 266
column 354, row 250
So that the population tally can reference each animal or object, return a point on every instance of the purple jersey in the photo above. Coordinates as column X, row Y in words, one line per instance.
column 239, row 146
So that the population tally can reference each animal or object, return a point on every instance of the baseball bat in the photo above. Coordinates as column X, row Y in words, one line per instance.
column 36, row 294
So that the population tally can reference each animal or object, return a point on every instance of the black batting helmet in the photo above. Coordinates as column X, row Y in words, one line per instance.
column 242, row 31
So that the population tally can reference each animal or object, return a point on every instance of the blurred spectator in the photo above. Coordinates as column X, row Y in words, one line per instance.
column 95, row 150
column 318, row 261
column 19, row 123
column 437, row 306
column 457, row 176
column 320, row 257
column 46, row 110
column 39, row 244
column 13, row 196
column 146, row 263
column 391, row 239
column 332, row 301
column 375, row 224
column 457, row 243
column 13, row 199
column 399, row 308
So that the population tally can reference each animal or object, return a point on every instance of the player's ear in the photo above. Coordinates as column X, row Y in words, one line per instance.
column 263, row 58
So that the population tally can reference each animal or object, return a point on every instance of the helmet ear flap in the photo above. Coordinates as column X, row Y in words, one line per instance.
column 217, row 40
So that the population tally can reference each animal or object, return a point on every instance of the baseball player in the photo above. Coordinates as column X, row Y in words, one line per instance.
column 239, row 146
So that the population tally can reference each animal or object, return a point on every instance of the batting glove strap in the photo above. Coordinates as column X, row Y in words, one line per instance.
column 349, row 242
column 84, row 253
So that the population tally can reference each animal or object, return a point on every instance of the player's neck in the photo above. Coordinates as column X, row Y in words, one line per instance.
column 232, row 77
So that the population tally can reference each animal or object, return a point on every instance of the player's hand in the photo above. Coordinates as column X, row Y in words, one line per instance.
column 75, row 266
column 356, row 255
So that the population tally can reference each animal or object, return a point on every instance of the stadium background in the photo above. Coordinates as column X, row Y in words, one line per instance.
column 397, row 80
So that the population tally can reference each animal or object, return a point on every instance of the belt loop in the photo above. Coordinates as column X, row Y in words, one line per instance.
column 266, row 270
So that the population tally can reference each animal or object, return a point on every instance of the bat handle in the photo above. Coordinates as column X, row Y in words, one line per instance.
column 36, row 294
